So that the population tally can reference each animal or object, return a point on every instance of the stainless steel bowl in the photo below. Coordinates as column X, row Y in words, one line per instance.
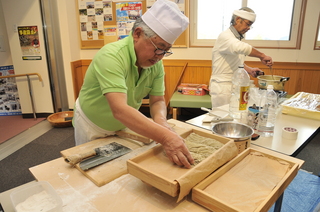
column 235, row 131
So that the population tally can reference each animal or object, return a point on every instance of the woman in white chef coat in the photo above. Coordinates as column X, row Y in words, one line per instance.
column 229, row 52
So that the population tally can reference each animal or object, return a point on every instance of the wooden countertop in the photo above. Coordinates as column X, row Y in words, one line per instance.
column 125, row 193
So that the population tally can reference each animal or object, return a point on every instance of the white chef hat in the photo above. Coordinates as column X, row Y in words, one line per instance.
column 166, row 20
column 245, row 15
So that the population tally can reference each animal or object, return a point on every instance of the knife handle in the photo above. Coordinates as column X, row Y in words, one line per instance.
column 76, row 158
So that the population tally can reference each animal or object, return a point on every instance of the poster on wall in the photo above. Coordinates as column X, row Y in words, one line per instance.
column 126, row 14
column 180, row 3
column 29, row 40
column 9, row 97
column 95, row 17
column 106, row 21
column 93, row 14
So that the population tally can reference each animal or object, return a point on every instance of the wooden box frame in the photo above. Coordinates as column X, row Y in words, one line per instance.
column 144, row 166
column 209, row 202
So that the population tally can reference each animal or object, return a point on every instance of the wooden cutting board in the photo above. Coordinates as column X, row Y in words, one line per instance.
column 111, row 170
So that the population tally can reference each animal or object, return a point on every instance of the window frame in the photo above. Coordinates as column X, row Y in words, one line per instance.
column 317, row 39
column 293, row 43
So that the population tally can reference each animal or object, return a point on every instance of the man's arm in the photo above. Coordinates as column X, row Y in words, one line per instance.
column 172, row 143
column 266, row 60
column 158, row 110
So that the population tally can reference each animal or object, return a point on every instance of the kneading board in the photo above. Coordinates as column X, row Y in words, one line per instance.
column 111, row 170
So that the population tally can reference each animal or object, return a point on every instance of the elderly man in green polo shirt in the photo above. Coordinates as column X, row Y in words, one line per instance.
column 123, row 73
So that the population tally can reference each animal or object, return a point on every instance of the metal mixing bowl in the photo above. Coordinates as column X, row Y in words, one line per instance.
column 235, row 131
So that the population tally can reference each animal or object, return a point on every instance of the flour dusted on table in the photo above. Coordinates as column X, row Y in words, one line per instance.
column 40, row 202
column 201, row 147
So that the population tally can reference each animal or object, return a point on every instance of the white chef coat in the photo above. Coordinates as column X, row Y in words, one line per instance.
column 227, row 54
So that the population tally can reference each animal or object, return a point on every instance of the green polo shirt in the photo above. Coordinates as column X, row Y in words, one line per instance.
column 113, row 69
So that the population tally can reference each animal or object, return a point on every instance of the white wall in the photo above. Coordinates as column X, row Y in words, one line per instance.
column 71, row 43
column 5, row 54
column 305, row 54
column 27, row 13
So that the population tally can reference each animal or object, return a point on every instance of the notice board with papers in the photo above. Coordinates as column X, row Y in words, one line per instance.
column 102, row 22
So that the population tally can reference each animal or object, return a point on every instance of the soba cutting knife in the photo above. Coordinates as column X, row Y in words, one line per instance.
column 98, row 156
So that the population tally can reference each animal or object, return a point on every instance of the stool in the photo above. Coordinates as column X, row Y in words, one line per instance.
column 179, row 100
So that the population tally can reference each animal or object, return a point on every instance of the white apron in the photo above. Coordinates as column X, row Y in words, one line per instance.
column 220, row 89
column 84, row 129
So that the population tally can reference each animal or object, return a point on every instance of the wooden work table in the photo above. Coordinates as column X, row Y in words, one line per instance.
column 125, row 193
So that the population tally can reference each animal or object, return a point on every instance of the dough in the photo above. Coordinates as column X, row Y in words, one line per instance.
column 201, row 147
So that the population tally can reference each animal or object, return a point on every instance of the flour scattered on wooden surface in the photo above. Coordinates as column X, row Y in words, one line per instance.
column 39, row 202
column 201, row 147
column 63, row 176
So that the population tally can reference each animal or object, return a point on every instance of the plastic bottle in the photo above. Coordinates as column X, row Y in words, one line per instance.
column 239, row 94
column 268, row 113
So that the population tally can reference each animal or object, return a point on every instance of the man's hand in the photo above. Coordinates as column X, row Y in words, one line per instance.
column 177, row 151
column 267, row 60
column 159, row 131
column 254, row 72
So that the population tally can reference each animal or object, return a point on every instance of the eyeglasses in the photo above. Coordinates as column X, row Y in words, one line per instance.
column 158, row 51
column 248, row 25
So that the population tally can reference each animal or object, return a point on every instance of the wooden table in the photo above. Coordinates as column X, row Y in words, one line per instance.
column 125, row 193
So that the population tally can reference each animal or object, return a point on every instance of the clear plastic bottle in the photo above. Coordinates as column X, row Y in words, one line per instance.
column 268, row 113
column 239, row 94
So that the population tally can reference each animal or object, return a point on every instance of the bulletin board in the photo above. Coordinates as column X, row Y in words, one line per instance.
column 102, row 22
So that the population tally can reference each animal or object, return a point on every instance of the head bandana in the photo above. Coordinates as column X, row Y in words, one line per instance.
column 245, row 15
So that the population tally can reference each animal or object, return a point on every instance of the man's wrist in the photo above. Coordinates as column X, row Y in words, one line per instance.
column 262, row 56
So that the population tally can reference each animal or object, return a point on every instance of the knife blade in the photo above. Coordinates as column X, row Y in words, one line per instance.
column 104, row 150
column 104, row 154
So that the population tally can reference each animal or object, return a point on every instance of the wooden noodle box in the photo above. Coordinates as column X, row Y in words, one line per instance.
column 207, row 200
column 155, row 169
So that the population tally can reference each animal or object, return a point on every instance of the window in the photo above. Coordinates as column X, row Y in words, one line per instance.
column 278, row 23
